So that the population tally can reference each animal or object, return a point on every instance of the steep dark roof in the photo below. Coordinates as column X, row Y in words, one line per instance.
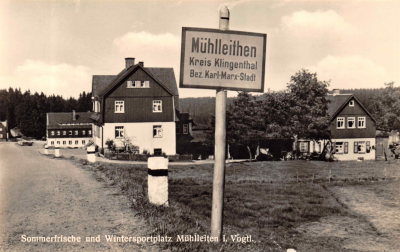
column 55, row 119
column 338, row 102
column 100, row 82
column 166, row 76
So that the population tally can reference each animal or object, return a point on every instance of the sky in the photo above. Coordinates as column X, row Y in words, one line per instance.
column 55, row 47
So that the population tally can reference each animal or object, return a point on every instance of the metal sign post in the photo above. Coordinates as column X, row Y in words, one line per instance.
column 217, row 210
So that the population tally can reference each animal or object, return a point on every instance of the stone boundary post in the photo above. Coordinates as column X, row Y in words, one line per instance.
column 57, row 151
column 91, row 156
column 46, row 149
column 158, row 180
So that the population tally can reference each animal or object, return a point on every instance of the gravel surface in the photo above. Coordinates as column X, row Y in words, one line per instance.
column 45, row 197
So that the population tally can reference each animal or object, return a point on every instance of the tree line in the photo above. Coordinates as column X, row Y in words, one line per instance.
column 28, row 111
column 298, row 112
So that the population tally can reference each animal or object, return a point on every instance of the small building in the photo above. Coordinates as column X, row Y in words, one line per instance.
column 138, row 105
column 3, row 131
column 69, row 129
column 352, row 128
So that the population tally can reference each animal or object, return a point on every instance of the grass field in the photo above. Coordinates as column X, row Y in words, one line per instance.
column 279, row 204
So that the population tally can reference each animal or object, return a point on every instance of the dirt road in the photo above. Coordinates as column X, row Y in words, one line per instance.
column 44, row 197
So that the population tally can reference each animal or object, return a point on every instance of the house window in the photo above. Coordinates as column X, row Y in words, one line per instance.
column 185, row 129
column 70, row 132
column 351, row 103
column 361, row 122
column 76, row 132
column 64, row 142
column 119, row 132
column 339, row 148
column 64, row 132
column 178, row 127
column 83, row 142
column 58, row 133
column 137, row 83
column 1, row 129
column 157, row 106
column 157, row 152
column 1, row 135
column 355, row 147
column 89, row 132
column 340, row 122
column 131, row 84
column 52, row 132
column 58, row 142
column 83, row 132
column 145, row 84
column 351, row 122
column 52, row 142
column 119, row 107
column 361, row 147
column 346, row 147
column 76, row 142
column 368, row 147
column 303, row 146
column 157, row 131
column 70, row 142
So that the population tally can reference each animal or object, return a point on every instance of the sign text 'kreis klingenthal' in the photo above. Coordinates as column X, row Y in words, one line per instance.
column 230, row 60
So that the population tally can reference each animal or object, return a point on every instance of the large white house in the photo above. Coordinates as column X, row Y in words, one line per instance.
column 138, row 104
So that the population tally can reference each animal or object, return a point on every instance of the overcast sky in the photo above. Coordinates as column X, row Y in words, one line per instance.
column 56, row 46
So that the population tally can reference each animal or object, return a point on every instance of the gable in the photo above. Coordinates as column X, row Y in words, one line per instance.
column 121, row 89
column 124, row 74
column 339, row 106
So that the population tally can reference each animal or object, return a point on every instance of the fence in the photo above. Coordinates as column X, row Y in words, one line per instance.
column 144, row 157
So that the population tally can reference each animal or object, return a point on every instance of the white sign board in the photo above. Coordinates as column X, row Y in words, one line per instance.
column 230, row 60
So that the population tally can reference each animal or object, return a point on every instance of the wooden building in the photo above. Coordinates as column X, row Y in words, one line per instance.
column 69, row 129
column 139, row 104
column 352, row 127
column 3, row 131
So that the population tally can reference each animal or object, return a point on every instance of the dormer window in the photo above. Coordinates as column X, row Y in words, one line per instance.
column 351, row 103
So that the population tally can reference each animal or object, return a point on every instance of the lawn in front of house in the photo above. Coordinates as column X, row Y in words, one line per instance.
column 270, row 201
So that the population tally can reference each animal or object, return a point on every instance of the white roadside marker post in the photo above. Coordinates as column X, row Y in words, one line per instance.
column 158, row 180
column 220, row 149
column 46, row 149
column 57, row 151
column 91, row 154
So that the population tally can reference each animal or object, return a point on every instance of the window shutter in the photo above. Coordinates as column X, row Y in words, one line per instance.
column 346, row 147
column 130, row 84
column 355, row 147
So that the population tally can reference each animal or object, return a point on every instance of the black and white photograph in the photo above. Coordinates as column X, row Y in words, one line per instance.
column 190, row 126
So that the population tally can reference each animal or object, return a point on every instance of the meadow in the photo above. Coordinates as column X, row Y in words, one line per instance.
column 276, row 203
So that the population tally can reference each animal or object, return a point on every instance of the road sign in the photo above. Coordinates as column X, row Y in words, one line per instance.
column 222, row 59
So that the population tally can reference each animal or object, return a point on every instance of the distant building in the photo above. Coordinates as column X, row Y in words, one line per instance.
column 352, row 127
column 141, row 104
column 3, row 131
column 69, row 129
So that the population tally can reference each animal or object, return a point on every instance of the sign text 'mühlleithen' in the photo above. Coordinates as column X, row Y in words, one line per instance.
column 234, row 48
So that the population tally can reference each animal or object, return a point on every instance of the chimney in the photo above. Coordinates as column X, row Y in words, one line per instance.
column 73, row 115
column 129, row 62
column 335, row 92
column 141, row 63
